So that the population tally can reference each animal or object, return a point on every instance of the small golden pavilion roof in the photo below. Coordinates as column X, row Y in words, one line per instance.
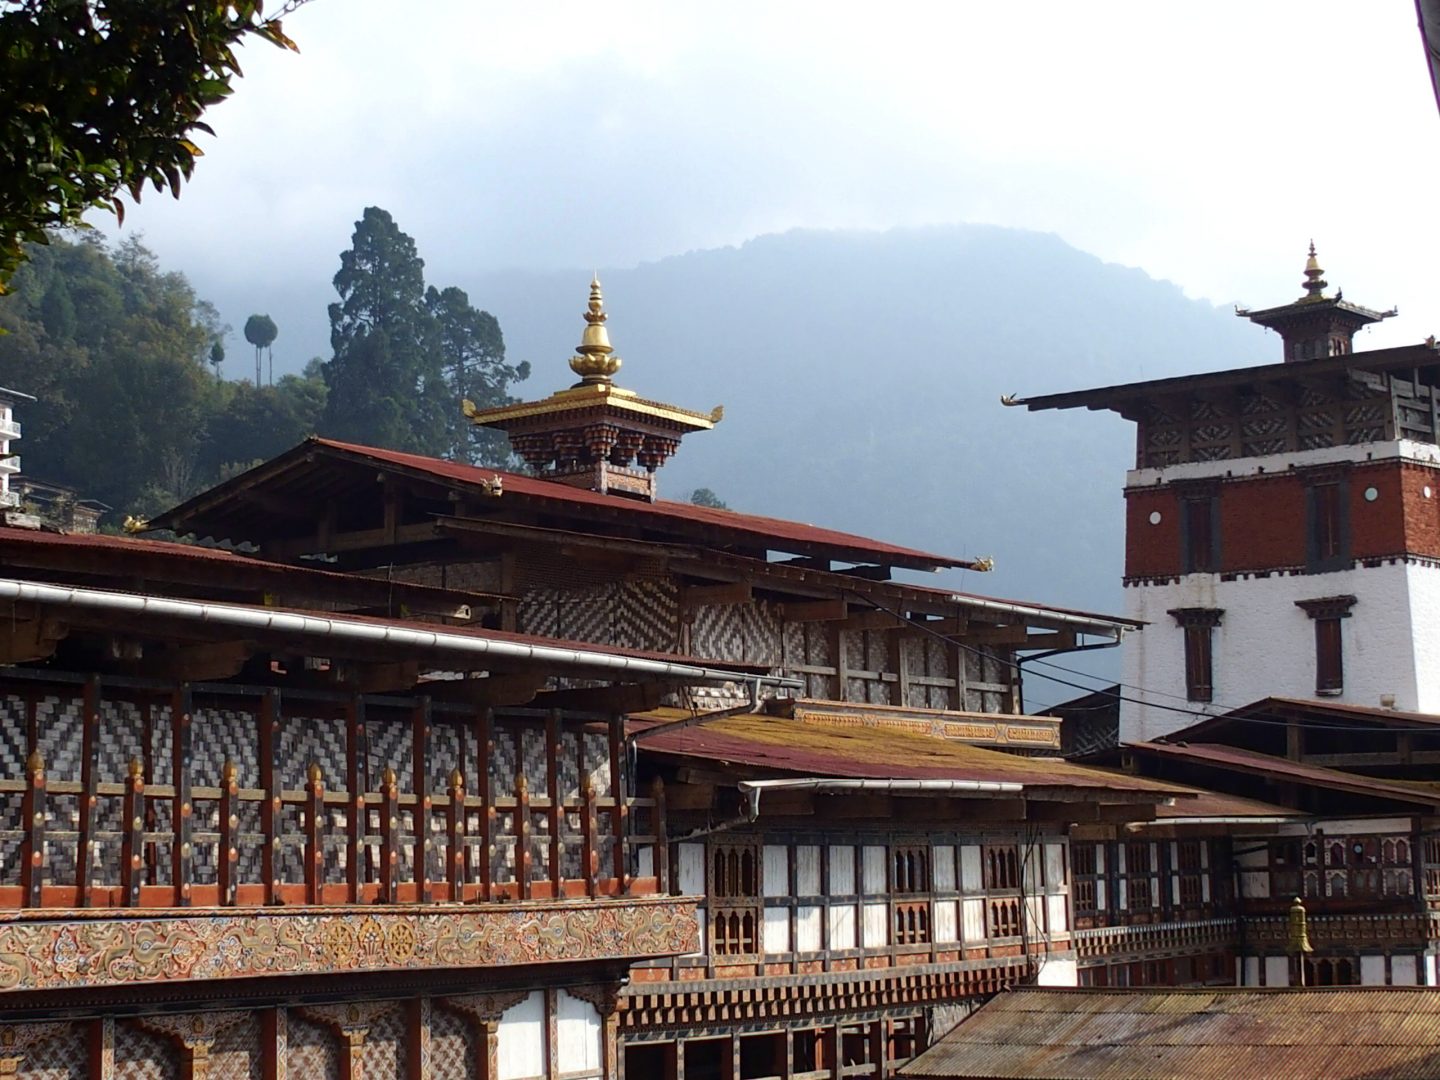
column 596, row 364
column 595, row 434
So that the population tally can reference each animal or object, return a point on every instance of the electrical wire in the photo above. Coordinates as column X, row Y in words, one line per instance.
column 1251, row 718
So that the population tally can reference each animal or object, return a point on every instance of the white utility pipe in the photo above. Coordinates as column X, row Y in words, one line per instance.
column 752, row 789
column 258, row 620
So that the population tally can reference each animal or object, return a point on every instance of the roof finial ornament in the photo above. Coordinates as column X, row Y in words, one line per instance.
column 595, row 361
column 1314, row 278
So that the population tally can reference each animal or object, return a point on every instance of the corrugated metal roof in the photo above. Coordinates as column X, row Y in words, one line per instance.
column 1303, row 709
column 1377, row 1033
column 782, row 745
column 752, row 529
column 1248, row 761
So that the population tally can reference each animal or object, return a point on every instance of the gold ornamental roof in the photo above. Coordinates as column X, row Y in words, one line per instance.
column 596, row 363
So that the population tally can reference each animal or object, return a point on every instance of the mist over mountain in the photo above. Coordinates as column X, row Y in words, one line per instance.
column 861, row 375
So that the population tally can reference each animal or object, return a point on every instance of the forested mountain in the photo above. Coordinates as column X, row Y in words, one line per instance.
column 861, row 375
column 125, row 362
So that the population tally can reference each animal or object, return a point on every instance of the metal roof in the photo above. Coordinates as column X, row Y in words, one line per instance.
column 779, row 745
column 1302, row 709
column 1377, row 1033
column 1400, row 358
column 1278, row 768
column 211, row 513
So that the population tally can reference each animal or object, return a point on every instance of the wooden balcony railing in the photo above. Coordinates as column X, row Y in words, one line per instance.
column 134, row 797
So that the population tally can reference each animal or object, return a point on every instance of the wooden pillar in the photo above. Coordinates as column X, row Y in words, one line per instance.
column 417, row 1041
column 589, row 828
column 355, row 788
column 556, row 816
column 102, row 1049
column 455, row 850
column 481, row 853
column 269, row 749
column 522, row 828
column 89, row 746
column 619, row 815
column 314, row 833
column 227, row 856
column 490, row 1049
column 32, row 847
column 662, row 841
column 132, row 829
column 275, row 1045
column 182, row 807
column 389, row 836
column 420, row 784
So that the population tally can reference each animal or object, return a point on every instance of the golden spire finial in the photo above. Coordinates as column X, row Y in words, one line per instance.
column 595, row 361
column 1314, row 277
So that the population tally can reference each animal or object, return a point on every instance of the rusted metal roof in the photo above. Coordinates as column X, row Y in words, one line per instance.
column 1323, row 712
column 209, row 512
column 164, row 566
column 1377, row 1033
column 1214, row 804
column 1277, row 768
column 778, row 745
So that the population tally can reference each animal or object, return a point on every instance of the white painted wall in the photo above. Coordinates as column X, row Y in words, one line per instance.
column 1403, row 971
column 577, row 1032
column 1372, row 970
column 1396, row 450
column 1265, row 645
column 522, row 1039
column 776, row 930
column 807, row 929
column 1277, row 971
column 690, row 863
column 1057, row 971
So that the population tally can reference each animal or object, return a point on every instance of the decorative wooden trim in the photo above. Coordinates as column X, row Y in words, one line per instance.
column 1327, row 607
column 1201, row 617
column 82, row 948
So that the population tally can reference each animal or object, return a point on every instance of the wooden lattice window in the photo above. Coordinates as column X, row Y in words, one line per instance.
column 1002, row 867
column 1190, row 871
column 1140, row 896
column 734, row 899
column 1085, row 881
column 909, row 876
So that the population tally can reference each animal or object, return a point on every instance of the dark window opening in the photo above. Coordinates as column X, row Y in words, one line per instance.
column 1200, row 530
column 1327, row 542
column 1326, row 613
column 1198, row 625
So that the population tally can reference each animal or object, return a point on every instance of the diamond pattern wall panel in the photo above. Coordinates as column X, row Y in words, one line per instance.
column 140, row 1055
column 236, row 1053
column 452, row 1046
column 311, row 1051
column 384, row 1053
column 60, row 1057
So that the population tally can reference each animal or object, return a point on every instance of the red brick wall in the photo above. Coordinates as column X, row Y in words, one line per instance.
column 1262, row 520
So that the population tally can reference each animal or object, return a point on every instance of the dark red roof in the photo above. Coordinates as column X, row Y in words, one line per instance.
column 761, row 528
column 213, row 513
column 1277, row 768
column 161, row 560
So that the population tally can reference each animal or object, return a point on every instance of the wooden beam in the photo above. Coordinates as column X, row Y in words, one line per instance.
column 801, row 611
column 627, row 698
column 997, row 635
column 873, row 620
column 494, row 691
column 197, row 663
column 690, row 796
column 358, row 540
column 705, row 595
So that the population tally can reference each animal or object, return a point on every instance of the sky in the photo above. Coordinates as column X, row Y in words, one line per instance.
column 1203, row 143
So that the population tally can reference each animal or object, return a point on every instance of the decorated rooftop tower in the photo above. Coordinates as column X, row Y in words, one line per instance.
column 596, row 435
column 1316, row 325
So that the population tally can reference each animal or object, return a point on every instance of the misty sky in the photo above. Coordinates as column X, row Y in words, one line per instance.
column 1204, row 143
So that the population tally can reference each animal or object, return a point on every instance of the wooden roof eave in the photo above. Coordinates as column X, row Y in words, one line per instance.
column 1115, row 398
